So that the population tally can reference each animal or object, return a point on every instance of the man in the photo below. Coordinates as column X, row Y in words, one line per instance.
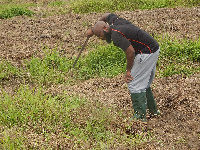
column 142, row 53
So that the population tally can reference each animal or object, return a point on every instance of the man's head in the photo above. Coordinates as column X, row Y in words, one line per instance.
column 102, row 30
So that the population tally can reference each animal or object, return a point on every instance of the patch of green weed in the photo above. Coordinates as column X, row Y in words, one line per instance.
column 31, row 112
column 57, row 3
column 50, row 69
column 7, row 70
column 104, row 61
column 86, row 6
column 12, row 139
column 15, row 11
column 183, row 49
column 176, row 57
column 27, row 106
column 179, row 57
column 153, row 4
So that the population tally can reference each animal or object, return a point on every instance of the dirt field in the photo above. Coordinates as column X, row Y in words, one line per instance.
column 177, row 96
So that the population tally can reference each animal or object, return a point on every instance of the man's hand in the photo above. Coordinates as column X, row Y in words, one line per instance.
column 128, row 77
column 89, row 33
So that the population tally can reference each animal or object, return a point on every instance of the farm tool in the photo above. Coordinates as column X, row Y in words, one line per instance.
column 81, row 51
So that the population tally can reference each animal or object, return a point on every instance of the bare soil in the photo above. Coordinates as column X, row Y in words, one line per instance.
column 177, row 97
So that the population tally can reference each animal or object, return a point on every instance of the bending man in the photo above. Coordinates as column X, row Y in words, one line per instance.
column 142, row 52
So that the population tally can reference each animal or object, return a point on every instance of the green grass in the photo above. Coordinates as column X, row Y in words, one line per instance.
column 15, row 11
column 181, row 49
column 86, row 6
column 179, row 57
column 104, row 61
column 30, row 115
column 11, row 8
column 53, row 68
column 7, row 70
column 57, row 3
column 176, row 57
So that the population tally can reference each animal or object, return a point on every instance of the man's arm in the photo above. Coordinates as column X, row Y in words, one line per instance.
column 130, row 56
column 90, row 32
column 104, row 17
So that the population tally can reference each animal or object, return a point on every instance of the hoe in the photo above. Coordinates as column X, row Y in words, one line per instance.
column 81, row 51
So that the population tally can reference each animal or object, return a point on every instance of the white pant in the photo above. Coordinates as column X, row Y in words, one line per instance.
column 143, row 72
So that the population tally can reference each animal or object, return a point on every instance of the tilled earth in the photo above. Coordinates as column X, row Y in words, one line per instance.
column 177, row 96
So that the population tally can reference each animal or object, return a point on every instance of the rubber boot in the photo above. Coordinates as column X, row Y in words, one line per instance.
column 139, row 102
column 151, row 103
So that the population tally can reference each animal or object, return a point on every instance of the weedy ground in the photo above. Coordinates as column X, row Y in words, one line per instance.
column 45, row 104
